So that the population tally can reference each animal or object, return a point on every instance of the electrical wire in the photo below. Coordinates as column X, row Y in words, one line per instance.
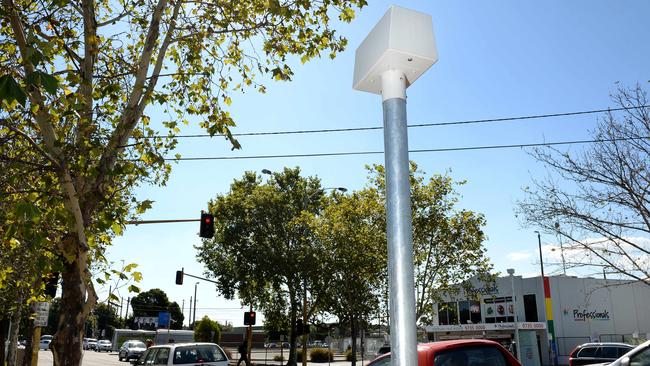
column 415, row 151
column 417, row 125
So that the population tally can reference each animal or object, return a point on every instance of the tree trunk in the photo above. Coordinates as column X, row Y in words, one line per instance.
column 4, row 328
column 27, row 358
column 13, row 333
column 292, row 335
column 353, row 338
column 67, row 341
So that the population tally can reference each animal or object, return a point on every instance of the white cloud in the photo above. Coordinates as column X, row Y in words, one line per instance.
column 518, row 256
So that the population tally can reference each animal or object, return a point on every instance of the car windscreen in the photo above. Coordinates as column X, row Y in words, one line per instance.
column 136, row 345
column 470, row 356
column 198, row 354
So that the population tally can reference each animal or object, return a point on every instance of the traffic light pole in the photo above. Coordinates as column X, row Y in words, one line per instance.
column 249, row 340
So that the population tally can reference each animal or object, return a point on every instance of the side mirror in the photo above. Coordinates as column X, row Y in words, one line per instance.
column 625, row 361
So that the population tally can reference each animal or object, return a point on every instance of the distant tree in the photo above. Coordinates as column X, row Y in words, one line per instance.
column 207, row 330
column 448, row 248
column 263, row 249
column 596, row 199
column 350, row 231
column 107, row 320
column 154, row 301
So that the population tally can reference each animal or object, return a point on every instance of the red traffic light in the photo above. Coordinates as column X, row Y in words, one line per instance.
column 207, row 225
column 249, row 318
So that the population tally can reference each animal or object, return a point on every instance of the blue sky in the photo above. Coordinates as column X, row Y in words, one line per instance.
column 496, row 59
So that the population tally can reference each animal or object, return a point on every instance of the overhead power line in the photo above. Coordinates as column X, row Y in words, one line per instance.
column 415, row 151
column 419, row 125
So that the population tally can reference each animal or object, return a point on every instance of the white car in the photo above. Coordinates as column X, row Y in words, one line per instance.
column 104, row 345
column 89, row 343
column 173, row 354
column 45, row 344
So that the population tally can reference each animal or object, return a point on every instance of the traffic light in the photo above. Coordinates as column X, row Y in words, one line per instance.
column 299, row 327
column 249, row 318
column 207, row 225
column 51, row 282
column 179, row 277
column 305, row 329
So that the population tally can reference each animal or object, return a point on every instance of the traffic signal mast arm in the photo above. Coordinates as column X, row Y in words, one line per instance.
column 180, row 274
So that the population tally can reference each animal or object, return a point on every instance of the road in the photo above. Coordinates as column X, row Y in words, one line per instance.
column 259, row 357
column 90, row 358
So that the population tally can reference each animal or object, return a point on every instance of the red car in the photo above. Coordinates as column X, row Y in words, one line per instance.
column 461, row 352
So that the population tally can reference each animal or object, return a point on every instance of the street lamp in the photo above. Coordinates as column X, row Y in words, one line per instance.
column 194, row 319
column 511, row 272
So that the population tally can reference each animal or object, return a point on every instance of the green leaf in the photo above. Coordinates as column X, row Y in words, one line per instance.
column 117, row 228
column 137, row 276
column 49, row 83
column 10, row 90
column 129, row 267
column 134, row 288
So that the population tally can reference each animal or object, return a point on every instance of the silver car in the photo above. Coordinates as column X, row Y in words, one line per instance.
column 132, row 349
column 639, row 356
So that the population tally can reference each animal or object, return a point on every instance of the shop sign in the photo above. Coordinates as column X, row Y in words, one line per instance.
column 486, row 290
column 582, row 315
column 482, row 327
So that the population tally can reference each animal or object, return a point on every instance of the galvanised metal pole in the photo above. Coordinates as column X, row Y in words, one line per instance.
column 403, row 340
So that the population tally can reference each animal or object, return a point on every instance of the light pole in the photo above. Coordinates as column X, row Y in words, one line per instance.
column 194, row 319
column 511, row 272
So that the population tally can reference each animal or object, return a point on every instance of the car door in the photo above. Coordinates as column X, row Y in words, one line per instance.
column 162, row 356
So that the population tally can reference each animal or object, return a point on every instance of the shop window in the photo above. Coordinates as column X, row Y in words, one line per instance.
column 530, row 308
column 447, row 313
column 475, row 312
column 463, row 310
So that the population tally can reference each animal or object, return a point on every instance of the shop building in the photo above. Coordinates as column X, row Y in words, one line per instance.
column 580, row 310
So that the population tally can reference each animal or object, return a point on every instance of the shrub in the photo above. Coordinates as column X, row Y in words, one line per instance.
column 278, row 358
column 349, row 356
column 207, row 330
column 321, row 355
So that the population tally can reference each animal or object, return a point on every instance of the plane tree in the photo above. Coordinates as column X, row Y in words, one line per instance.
column 448, row 251
column 263, row 251
column 79, row 83
column 350, row 230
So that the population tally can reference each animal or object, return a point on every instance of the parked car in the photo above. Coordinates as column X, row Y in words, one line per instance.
column 206, row 354
column 591, row 353
column 131, row 349
column 104, row 345
column 383, row 349
column 638, row 356
column 462, row 352
column 89, row 343
column 45, row 344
